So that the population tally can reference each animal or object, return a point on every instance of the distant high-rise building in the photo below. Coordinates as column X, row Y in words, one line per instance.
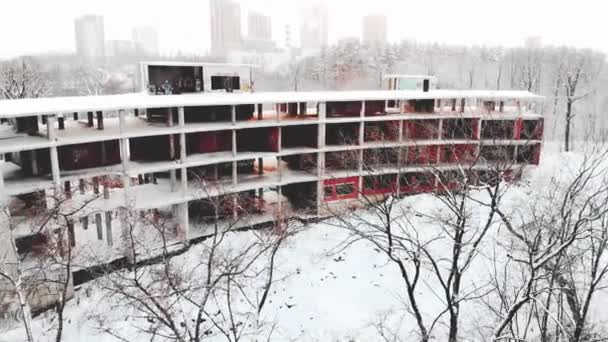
column 259, row 26
column 375, row 29
column 90, row 37
column 146, row 41
column 259, row 32
column 225, row 26
column 314, row 27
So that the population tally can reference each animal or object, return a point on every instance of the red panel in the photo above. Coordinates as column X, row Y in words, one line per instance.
column 331, row 184
column 273, row 139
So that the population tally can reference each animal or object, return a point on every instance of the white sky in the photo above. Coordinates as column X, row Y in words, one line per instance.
column 38, row 26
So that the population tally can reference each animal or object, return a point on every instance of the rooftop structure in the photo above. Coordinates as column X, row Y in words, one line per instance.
column 261, row 155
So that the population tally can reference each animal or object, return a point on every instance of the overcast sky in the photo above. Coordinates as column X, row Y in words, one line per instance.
column 38, row 26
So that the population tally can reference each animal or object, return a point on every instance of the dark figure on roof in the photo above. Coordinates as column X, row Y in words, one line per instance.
column 167, row 88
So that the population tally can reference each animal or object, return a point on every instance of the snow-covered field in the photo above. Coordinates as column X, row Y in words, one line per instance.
column 324, row 293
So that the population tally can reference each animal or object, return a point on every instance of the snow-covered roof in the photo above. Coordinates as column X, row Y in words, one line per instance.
column 55, row 105
column 203, row 64
column 409, row 76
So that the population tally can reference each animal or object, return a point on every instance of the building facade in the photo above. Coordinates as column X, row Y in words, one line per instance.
column 225, row 26
column 214, row 154
column 314, row 27
column 146, row 41
column 90, row 37
column 375, row 29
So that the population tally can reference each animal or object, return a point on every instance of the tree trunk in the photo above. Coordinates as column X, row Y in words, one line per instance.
column 25, row 311
column 568, row 122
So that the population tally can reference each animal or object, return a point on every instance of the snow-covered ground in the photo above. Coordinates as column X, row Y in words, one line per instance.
column 325, row 293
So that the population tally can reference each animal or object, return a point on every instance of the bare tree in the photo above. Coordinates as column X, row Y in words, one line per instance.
column 185, row 301
column 554, row 242
column 21, row 79
column 578, row 75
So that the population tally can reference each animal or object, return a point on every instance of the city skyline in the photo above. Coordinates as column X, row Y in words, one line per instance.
column 173, row 21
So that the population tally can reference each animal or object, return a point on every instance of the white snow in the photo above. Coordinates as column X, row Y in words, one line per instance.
column 26, row 107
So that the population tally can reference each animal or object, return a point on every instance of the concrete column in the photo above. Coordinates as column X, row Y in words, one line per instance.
column 234, row 150
column 440, row 130
column 362, row 109
column 51, row 133
column 183, row 156
column 233, row 114
column 90, row 119
column 100, row 120
column 280, row 200
column 109, row 228
column 124, row 158
column 172, row 173
column 1, row 180
column 320, row 182
column 184, row 221
column 234, row 173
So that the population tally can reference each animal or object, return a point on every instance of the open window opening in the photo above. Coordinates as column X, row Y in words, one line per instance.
column 342, row 160
column 459, row 129
column 221, row 172
column 421, row 155
column 298, row 111
column 89, row 155
column 497, row 154
column 302, row 196
column 416, row 182
column 258, row 140
column 209, row 142
column 343, row 109
column 450, row 180
column 201, row 114
column 305, row 136
column 381, row 131
column 497, row 129
column 528, row 154
column 421, row 129
column 299, row 163
column 377, row 158
column 212, row 210
column 426, row 106
column 375, row 108
column 31, row 163
column 379, row 184
column 155, row 148
column 531, row 130
column 342, row 134
column 458, row 154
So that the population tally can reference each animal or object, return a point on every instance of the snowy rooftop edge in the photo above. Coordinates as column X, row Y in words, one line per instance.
column 408, row 76
column 55, row 105
column 203, row 64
